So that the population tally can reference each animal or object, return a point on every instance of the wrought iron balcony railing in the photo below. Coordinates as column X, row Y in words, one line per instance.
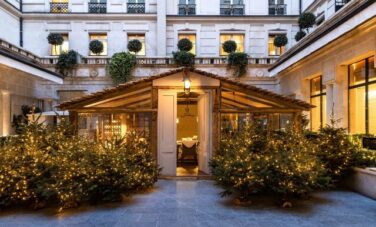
column 59, row 7
column 277, row 9
column 187, row 9
column 232, row 9
column 97, row 7
column 136, row 7
column 340, row 3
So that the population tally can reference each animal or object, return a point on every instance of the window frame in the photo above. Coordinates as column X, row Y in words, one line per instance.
column 60, row 47
column 281, row 50
column 194, row 48
column 367, row 83
column 230, row 34
column 321, row 94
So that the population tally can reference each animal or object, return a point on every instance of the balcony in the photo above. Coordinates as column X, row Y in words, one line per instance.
column 277, row 9
column 59, row 7
column 96, row 7
column 136, row 7
column 187, row 9
column 341, row 3
column 232, row 9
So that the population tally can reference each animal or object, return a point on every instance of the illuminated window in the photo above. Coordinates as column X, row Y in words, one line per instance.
column 273, row 50
column 318, row 99
column 192, row 38
column 141, row 38
column 238, row 38
column 58, row 49
column 59, row 6
column 362, row 97
column 103, row 39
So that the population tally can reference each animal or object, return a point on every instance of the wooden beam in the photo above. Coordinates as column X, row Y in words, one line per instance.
column 258, row 110
column 243, row 105
column 121, row 99
column 111, row 109
column 154, row 123
column 246, row 101
column 255, row 99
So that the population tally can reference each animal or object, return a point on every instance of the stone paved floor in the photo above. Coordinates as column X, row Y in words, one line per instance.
column 197, row 203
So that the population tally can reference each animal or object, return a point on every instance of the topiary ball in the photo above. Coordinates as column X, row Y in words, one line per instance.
column 96, row 46
column 55, row 39
column 66, row 62
column 300, row 35
column 134, row 45
column 280, row 40
column 185, row 44
column 229, row 46
column 306, row 20
column 184, row 58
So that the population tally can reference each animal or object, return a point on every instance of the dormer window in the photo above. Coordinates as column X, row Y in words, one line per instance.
column 277, row 7
column 232, row 7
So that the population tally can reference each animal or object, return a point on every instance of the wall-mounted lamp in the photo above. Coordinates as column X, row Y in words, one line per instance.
column 187, row 83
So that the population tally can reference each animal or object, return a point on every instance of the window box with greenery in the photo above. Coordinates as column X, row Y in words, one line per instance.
column 183, row 57
column 239, row 60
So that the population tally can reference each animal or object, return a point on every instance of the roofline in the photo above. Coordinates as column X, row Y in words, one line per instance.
column 317, row 34
column 29, row 63
column 300, row 105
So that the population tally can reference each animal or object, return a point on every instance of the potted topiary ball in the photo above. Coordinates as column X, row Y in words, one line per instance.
column 55, row 39
column 134, row 46
column 300, row 35
column 280, row 40
column 96, row 47
column 306, row 20
column 229, row 46
column 185, row 45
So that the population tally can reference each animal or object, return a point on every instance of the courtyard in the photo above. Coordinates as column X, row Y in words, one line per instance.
column 196, row 203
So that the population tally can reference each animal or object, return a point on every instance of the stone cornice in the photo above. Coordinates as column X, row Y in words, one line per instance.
column 88, row 16
column 226, row 19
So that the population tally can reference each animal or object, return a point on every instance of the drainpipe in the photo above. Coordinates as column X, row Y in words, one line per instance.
column 21, row 31
column 300, row 7
column 21, row 25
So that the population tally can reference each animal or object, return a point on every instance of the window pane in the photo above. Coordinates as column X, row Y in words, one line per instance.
column 371, row 69
column 315, row 114
column 141, row 38
column 233, row 122
column 58, row 49
column 357, row 110
column 238, row 38
column 285, row 121
column 372, row 108
column 103, row 39
column 316, row 86
column 357, row 73
column 192, row 38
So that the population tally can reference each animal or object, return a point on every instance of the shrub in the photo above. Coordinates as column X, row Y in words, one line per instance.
column 280, row 40
column 306, row 20
column 51, row 166
column 229, row 46
column 66, row 62
column 96, row 47
column 300, row 35
column 240, row 61
column 251, row 161
column 134, row 46
column 184, row 58
column 121, row 66
column 185, row 45
column 55, row 39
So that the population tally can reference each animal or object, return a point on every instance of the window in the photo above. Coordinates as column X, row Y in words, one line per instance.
column 136, row 6
column 58, row 49
column 277, row 7
column 362, row 96
column 340, row 3
column 141, row 38
column 238, row 38
column 318, row 99
column 273, row 50
column 103, row 39
column 187, row 7
column 97, row 6
column 59, row 6
column 232, row 7
column 192, row 38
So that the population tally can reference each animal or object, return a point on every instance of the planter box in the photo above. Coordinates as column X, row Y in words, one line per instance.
column 364, row 182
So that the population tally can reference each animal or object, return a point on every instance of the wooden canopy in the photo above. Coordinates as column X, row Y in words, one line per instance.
column 137, row 96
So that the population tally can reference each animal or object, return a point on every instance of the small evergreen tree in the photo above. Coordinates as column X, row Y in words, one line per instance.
column 300, row 35
column 134, row 46
column 96, row 47
column 183, row 57
column 306, row 21
column 121, row 67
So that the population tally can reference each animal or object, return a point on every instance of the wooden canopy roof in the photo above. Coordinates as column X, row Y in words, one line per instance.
column 235, row 95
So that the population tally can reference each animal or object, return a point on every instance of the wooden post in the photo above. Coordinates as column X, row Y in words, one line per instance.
column 73, row 120
column 297, row 117
column 216, row 120
column 154, row 123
